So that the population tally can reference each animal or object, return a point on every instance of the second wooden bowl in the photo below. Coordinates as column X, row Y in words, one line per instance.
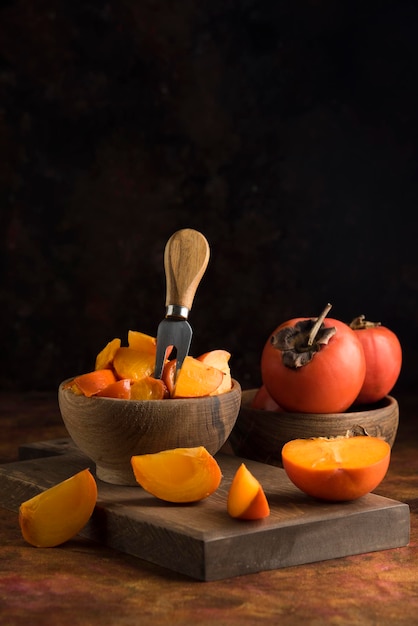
column 260, row 435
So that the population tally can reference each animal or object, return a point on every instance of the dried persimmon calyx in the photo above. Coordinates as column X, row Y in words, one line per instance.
column 299, row 343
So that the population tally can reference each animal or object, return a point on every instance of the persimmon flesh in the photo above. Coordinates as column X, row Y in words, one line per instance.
column 179, row 475
column 149, row 388
column 142, row 342
column 56, row 515
column 336, row 468
column 246, row 497
column 133, row 364
column 195, row 378
column 220, row 359
column 120, row 389
column 92, row 382
column 104, row 360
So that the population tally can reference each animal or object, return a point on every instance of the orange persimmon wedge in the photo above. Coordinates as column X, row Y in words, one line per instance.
column 195, row 379
column 59, row 513
column 246, row 497
column 133, row 364
column 104, row 360
column 180, row 475
column 120, row 389
column 336, row 468
column 145, row 343
column 219, row 359
column 142, row 342
column 149, row 388
column 92, row 382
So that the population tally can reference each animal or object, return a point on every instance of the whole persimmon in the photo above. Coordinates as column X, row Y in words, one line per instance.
column 313, row 365
column 383, row 353
column 262, row 401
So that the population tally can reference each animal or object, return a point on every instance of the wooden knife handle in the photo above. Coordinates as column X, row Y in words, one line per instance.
column 186, row 257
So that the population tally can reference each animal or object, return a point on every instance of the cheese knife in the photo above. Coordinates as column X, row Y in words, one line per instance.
column 186, row 257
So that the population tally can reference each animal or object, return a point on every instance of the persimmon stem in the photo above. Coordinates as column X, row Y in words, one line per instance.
column 360, row 322
column 317, row 325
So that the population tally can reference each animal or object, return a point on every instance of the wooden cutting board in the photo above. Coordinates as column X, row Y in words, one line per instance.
column 201, row 540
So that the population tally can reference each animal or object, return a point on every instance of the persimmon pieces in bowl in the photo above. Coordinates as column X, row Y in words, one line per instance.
column 120, row 409
column 336, row 469
column 127, row 372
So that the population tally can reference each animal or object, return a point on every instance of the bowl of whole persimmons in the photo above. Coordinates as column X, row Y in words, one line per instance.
column 322, row 379
column 119, row 409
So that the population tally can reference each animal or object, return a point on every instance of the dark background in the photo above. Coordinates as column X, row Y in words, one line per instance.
column 285, row 131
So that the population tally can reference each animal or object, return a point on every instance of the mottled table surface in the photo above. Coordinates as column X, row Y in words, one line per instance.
column 83, row 583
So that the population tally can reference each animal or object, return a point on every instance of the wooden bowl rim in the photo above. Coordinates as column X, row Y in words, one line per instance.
column 387, row 403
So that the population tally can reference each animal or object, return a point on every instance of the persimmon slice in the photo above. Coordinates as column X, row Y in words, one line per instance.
column 104, row 360
column 59, row 513
column 120, row 389
column 336, row 468
column 133, row 364
column 220, row 359
column 246, row 497
column 195, row 379
column 142, row 342
column 179, row 475
column 149, row 388
column 92, row 382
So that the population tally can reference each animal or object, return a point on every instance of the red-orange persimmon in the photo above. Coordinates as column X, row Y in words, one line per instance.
column 313, row 365
column 383, row 353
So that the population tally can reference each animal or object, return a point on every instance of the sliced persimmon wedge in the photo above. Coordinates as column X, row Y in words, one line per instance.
column 56, row 515
column 120, row 389
column 91, row 383
column 246, row 497
column 180, row 475
column 149, row 388
column 220, row 359
column 142, row 342
column 336, row 468
column 133, row 364
column 195, row 379
column 104, row 360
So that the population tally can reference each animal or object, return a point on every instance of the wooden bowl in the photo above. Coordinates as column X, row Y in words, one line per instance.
column 110, row 431
column 260, row 435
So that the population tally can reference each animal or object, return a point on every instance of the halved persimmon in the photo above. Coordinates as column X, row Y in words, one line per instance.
column 220, row 359
column 195, row 379
column 91, row 383
column 246, row 497
column 133, row 364
column 59, row 513
column 149, row 388
column 179, row 475
column 336, row 468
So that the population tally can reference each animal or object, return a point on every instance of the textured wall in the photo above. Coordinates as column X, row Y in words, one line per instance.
column 285, row 131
